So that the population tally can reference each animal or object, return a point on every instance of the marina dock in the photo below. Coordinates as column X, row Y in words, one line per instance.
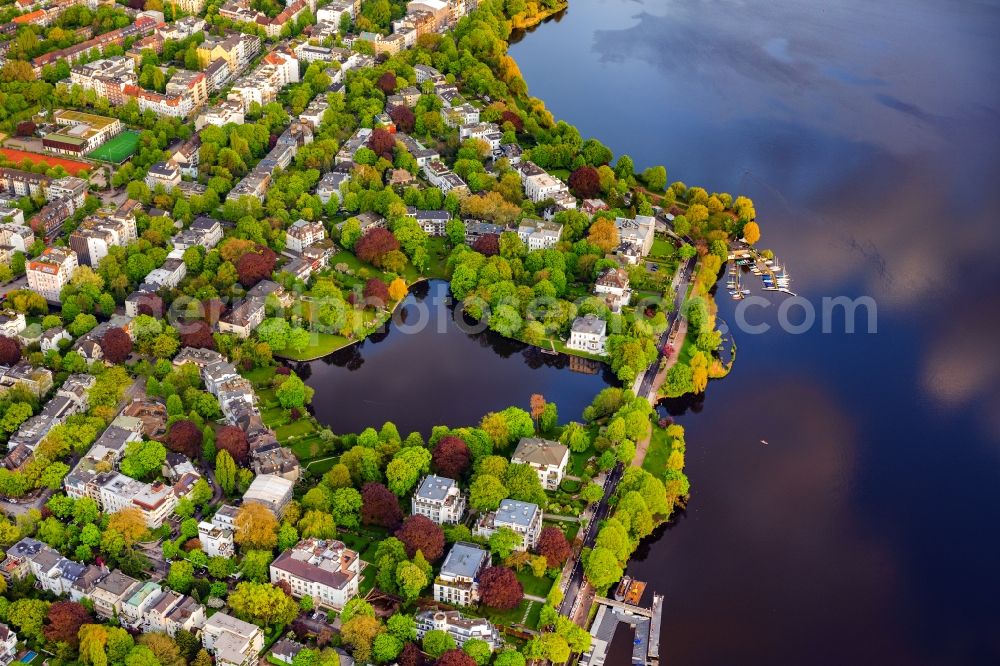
column 645, row 622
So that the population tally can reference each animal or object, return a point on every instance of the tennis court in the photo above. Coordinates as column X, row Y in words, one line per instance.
column 118, row 149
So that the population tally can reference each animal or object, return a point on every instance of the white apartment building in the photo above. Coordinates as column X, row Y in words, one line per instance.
column 439, row 499
column 547, row 458
column 326, row 570
column 232, row 641
column 458, row 582
column 588, row 334
column 216, row 537
column 50, row 272
column 524, row 518
column 302, row 234
column 613, row 286
column 539, row 234
column 457, row 626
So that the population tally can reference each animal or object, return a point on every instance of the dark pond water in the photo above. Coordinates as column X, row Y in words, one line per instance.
column 865, row 531
column 432, row 368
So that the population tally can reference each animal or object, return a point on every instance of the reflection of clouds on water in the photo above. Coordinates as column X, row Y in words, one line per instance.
column 760, row 496
column 788, row 50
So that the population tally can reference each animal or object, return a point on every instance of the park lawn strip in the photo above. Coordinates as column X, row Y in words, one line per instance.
column 535, row 585
column 655, row 461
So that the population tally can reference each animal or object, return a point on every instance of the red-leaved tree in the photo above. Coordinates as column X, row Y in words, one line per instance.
column 197, row 334
column 64, row 621
column 185, row 437
column 423, row 534
column 26, row 128
column 487, row 244
column 10, row 351
column 585, row 182
column 553, row 545
column 375, row 244
column 234, row 440
column 379, row 506
column 455, row 658
column 116, row 345
column 253, row 267
column 404, row 118
column 411, row 656
column 451, row 457
column 387, row 82
column 376, row 293
column 382, row 142
column 500, row 588
column 513, row 119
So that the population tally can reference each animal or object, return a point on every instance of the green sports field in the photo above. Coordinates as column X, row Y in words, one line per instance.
column 118, row 149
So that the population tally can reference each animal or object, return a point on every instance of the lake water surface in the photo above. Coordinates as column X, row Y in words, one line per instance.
column 865, row 530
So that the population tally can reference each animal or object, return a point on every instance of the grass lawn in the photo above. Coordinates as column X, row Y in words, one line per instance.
column 526, row 613
column 323, row 466
column 532, row 584
column 578, row 462
column 297, row 428
column 274, row 417
column 118, row 149
column 367, row 581
column 259, row 376
column 320, row 344
column 310, row 448
column 655, row 461
column 662, row 249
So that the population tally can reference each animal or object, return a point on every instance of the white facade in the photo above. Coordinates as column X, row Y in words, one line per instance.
column 48, row 274
column 439, row 499
column 327, row 571
column 547, row 458
column 588, row 334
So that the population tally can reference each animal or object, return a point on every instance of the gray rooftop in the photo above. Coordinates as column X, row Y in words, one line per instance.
column 464, row 560
column 434, row 488
column 516, row 512
column 590, row 324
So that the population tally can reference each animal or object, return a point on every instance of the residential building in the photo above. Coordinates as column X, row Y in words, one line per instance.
column 243, row 319
column 23, row 183
column 8, row 645
column 232, row 641
column 539, row 234
column 524, row 518
column 433, row 222
column 16, row 236
column 223, row 113
column 111, row 592
column 489, row 133
column 476, row 229
column 538, row 185
column 164, row 174
column 14, row 217
column 11, row 323
column 331, row 184
column 439, row 499
column 51, row 271
column 458, row 626
column 326, row 570
column 458, row 581
column 272, row 491
column 547, row 458
column 35, row 380
column 636, row 235
column 588, row 334
column 613, row 285
column 302, row 234
column 442, row 177
column 107, row 228
column 167, row 276
column 204, row 231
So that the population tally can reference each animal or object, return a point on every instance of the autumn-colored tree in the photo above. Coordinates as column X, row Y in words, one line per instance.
column 376, row 293
column 256, row 527
column 451, row 457
column 751, row 232
column 537, row 406
column 359, row 632
column 604, row 234
column 185, row 437
column 585, row 182
column 423, row 534
column 197, row 334
column 116, row 345
column 26, row 128
column 10, row 351
column 129, row 523
column 404, row 118
column 397, row 289
column 234, row 440
column 500, row 588
column 253, row 267
column 487, row 244
column 64, row 621
column 375, row 244
column 553, row 545
column 455, row 657
column 379, row 506
column 262, row 603
column 382, row 142
column 387, row 82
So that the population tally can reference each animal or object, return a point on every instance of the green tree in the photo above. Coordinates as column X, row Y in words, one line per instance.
column 436, row 642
